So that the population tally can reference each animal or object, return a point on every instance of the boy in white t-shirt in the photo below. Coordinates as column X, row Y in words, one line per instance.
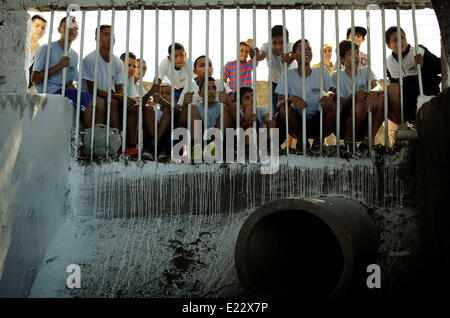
column 117, row 89
column 311, row 102
column 181, row 71
column 363, row 99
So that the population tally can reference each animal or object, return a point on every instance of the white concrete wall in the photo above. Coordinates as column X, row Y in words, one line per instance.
column 34, row 161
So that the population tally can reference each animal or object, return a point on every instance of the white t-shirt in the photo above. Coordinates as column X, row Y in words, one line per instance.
column 362, row 75
column 180, row 76
column 196, row 99
column 277, row 65
column 131, row 88
column 312, row 89
column 117, row 72
column 409, row 67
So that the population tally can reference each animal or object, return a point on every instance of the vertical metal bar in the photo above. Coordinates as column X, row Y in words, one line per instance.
column 125, row 90
column 141, row 69
column 206, row 84
column 338, row 81
column 304, row 137
column 189, row 146
column 416, row 46
column 238, row 80
column 269, row 56
column 386, row 124
column 400, row 63
column 66, row 45
column 222, row 47
column 353, row 80
column 172, row 80
column 254, row 73
column 80, row 73
column 94, row 98
column 47, row 60
column 111, row 55
column 156, row 77
column 286, row 95
column 369, row 65
column 322, row 23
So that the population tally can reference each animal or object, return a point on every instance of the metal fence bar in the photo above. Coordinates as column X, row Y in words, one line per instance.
column 222, row 47
column 238, row 81
column 386, row 124
column 206, row 83
column 286, row 94
column 66, row 45
column 338, row 81
column 189, row 146
column 353, row 81
column 255, row 62
column 304, row 137
column 156, row 78
column 125, row 90
column 172, row 80
column 416, row 46
column 322, row 23
column 269, row 56
column 94, row 98
column 400, row 63
column 47, row 60
column 141, row 69
column 80, row 78
column 369, row 66
column 110, row 84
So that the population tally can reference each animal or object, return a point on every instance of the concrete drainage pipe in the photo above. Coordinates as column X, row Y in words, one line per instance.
column 317, row 247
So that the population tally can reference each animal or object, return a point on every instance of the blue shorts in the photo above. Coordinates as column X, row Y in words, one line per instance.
column 72, row 95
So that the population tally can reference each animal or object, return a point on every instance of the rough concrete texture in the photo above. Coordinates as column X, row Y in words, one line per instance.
column 433, row 156
column 14, row 46
column 179, row 256
column 34, row 161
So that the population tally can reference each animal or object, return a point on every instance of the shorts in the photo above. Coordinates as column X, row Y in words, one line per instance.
column 346, row 113
column 85, row 99
column 312, row 126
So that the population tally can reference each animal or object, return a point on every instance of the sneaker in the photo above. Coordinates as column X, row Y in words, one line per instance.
column 162, row 156
column 147, row 155
column 132, row 152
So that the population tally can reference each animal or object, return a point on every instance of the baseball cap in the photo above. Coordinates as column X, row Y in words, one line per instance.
column 358, row 29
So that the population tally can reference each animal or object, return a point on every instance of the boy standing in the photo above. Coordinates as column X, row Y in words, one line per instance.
column 278, row 58
column 327, row 53
column 58, row 61
column 246, row 67
column 312, row 99
column 431, row 68
column 363, row 99
column 182, row 67
column 38, row 28
column 360, row 36
column 117, row 96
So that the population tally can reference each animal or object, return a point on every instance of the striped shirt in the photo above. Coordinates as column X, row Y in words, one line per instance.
column 246, row 69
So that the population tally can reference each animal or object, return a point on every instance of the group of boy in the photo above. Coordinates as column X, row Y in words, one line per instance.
column 158, row 100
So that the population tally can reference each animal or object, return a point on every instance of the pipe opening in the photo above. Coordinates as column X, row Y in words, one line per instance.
column 293, row 253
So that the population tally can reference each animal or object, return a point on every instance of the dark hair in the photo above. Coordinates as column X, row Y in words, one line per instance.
column 102, row 27
column 201, row 82
column 389, row 32
column 38, row 17
column 242, row 91
column 130, row 56
column 345, row 46
column 63, row 20
column 358, row 29
column 277, row 30
column 297, row 43
column 196, row 60
column 178, row 46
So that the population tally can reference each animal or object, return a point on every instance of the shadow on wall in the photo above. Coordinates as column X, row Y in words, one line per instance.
column 35, row 134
